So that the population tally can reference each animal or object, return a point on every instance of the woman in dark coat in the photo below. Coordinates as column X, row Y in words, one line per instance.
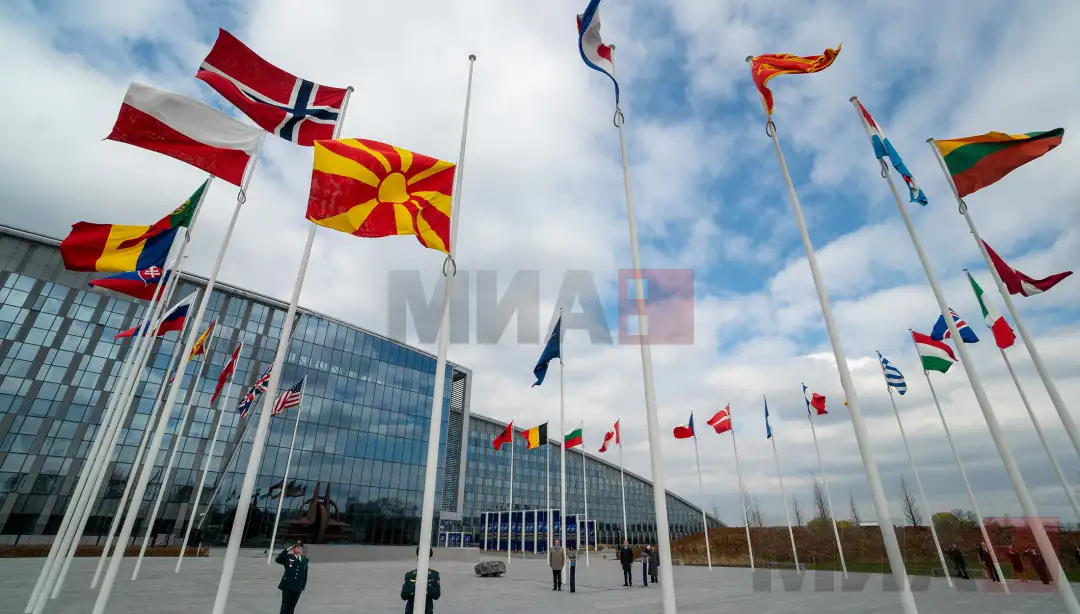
column 988, row 563
column 1018, row 565
column 654, row 563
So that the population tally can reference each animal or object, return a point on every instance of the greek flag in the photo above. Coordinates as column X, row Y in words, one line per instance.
column 893, row 377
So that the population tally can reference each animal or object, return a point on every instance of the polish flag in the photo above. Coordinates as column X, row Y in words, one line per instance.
column 611, row 436
column 188, row 130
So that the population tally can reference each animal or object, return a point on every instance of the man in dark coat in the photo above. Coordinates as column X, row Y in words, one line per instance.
column 434, row 588
column 958, row 562
column 626, row 557
column 654, row 563
column 294, row 579
column 988, row 563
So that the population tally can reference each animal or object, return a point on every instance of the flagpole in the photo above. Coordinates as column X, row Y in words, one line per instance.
column 206, row 469
column 881, row 504
column 562, row 439
column 918, row 482
column 701, row 495
column 510, row 523
column 547, row 514
column 1013, row 470
column 622, row 489
column 159, row 434
column 427, row 514
column 585, row 487
column 963, row 474
column 825, row 481
column 742, row 493
column 783, row 497
column 663, row 531
column 285, row 480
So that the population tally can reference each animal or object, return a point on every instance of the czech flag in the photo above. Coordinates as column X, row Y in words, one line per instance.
column 174, row 319
column 685, row 431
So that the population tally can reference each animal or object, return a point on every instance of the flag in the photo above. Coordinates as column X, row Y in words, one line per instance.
column 936, row 355
column 506, row 437
column 187, row 130
column 552, row 350
column 596, row 54
column 611, row 436
column 721, row 422
column 180, row 217
column 371, row 189
column 536, row 436
column 572, row 439
column 200, row 344
column 297, row 110
column 816, row 401
column 1018, row 283
column 96, row 247
column 226, row 372
column 136, row 284
column 883, row 148
column 975, row 162
column 173, row 319
column 1003, row 334
column 289, row 398
column 941, row 329
column 685, row 431
column 244, row 406
column 768, row 429
column 893, row 378
column 765, row 67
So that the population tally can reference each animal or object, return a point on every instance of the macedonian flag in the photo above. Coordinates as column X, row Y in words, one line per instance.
column 371, row 189
column 765, row 67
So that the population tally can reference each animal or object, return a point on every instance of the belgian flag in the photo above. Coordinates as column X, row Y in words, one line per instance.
column 536, row 436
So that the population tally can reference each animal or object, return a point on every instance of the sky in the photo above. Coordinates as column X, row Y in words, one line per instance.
column 542, row 198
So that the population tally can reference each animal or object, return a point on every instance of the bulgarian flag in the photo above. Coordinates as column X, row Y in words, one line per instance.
column 935, row 355
column 573, row 438
column 1003, row 334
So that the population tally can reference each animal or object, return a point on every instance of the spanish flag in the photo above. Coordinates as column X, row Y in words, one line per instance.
column 765, row 67
column 536, row 436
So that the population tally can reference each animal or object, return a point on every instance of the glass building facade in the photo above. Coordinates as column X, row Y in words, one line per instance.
column 361, row 444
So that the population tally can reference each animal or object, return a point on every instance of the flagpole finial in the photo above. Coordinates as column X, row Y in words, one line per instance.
column 965, row 270
column 930, row 140
column 472, row 57
column 749, row 59
column 852, row 99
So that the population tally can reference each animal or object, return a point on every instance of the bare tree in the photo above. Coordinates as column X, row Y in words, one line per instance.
column 753, row 511
column 798, row 510
column 716, row 513
column 911, row 508
column 820, row 502
column 855, row 520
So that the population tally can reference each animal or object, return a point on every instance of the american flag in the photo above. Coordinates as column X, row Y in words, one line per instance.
column 289, row 398
column 259, row 388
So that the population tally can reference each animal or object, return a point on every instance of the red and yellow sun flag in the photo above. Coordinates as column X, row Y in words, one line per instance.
column 371, row 189
column 765, row 67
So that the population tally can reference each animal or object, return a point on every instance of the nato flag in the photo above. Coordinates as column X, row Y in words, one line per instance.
column 552, row 351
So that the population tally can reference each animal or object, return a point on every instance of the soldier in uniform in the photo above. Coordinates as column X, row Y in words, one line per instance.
column 434, row 588
column 294, row 579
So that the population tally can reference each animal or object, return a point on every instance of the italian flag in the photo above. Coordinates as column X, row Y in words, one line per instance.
column 572, row 439
column 935, row 355
column 1003, row 334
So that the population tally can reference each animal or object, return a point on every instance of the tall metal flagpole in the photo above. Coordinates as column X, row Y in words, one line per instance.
column 562, row 439
column 881, row 504
column 825, row 480
column 663, row 531
column 510, row 506
column 144, row 477
column 206, row 468
column 783, row 497
column 285, row 480
column 963, row 474
column 622, row 489
column 701, row 495
column 427, row 512
column 742, row 492
column 918, row 483
column 547, row 514
column 1026, row 502
column 585, row 487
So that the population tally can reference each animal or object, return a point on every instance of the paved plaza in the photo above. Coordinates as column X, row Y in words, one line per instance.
column 373, row 588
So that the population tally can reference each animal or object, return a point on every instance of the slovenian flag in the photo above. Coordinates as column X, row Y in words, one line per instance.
column 172, row 320
column 685, row 431
column 884, row 149
column 941, row 329
column 596, row 54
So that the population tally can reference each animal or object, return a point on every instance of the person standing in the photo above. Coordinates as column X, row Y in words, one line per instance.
column 294, row 578
column 626, row 557
column 1017, row 565
column 959, row 562
column 988, row 563
column 654, row 563
column 558, row 561
column 645, row 566
column 434, row 587
column 1039, row 563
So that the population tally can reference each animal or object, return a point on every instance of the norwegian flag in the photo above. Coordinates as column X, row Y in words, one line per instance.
column 290, row 398
column 256, row 390
column 297, row 110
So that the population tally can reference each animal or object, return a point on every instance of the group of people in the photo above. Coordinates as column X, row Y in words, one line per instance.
column 1016, row 558
column 650, row 564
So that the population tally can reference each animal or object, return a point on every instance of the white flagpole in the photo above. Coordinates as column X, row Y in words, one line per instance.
column 1026, row 502
column 663, row 531
column 285, row 480
column 547, row 514
column 585, row 487
column 701, row 495
column 155, row 444
column 963, row 474
column 427, row 512
column 918, row 482
column 510, row 524
column 166, row 473
column 881, row 504
column 622, row 490
column 742, row 493
column 562, row 439
column 206, row 468
column 783, row 497
column 825, row 481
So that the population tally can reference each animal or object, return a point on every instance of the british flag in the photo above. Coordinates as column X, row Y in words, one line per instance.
column 256, row 390
column 297, row 110
column 290, row 398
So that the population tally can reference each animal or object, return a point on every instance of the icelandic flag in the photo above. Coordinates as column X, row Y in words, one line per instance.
column 172, row 320
column 596, row 54
column 883, row 148
column 552, row 350
column 685, row 431
column 136, row 284
column 941, row 329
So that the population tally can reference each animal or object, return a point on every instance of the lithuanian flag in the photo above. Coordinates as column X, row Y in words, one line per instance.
column 975, row 162
column 536, row 436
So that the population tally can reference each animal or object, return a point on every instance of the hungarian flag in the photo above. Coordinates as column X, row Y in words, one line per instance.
column 975, row 162
column 507, row 436
column 187, row 130
column 536, row 436
column 816, row 401
column 611, row 436
column 1018, row 283
column 935, row 355
column 685, row 431
column 1003, row 334
column 572, row 439
column 371, row 189
column 136, row 284
column 172, row 320
column 765, row 67
column 226, row 372
column 721, row 422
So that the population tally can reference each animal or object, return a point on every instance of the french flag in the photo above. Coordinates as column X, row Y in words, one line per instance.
column 685, row 431
column 173, row 320
column 137, row 284
column 594, row 52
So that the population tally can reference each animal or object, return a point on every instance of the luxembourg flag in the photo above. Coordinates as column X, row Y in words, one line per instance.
column 596, row 54
column 685, row 431
column 172, row 320
column 1003, row 333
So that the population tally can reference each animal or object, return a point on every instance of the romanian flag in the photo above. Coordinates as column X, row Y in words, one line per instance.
column 536, row 436
column 371, row 189
column 975, row 162
column 765, row 67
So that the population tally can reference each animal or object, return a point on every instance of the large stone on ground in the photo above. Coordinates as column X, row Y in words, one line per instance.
column 490, row 569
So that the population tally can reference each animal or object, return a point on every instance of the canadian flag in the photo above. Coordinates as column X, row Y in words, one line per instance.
column 611, row 436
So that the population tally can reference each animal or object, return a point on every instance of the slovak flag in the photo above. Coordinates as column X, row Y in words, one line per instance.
column 137, row 284
column 941, row 329
column 685, row 431
column 611, row 436
column 596, row 54
column 721, row 422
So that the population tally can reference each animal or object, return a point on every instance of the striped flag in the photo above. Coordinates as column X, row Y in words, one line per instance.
column 935, row 355
column 290, row 398
column 893, row 377
column 256, row 390
column 941, row 329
